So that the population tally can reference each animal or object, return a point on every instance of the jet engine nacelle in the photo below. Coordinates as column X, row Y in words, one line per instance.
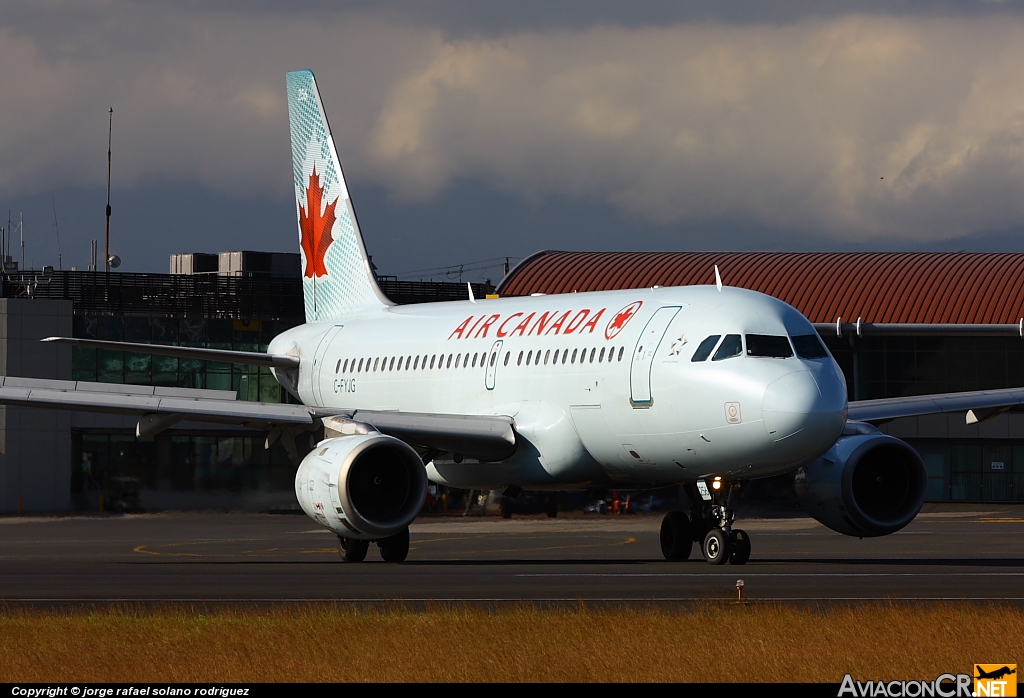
column 868, row 484
column 365, row 486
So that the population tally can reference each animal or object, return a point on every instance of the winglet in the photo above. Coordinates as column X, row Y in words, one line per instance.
column 718, row 278
column 472, row 299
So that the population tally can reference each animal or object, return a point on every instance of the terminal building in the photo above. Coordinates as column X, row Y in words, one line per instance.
column 58, row 460
column 898, row 324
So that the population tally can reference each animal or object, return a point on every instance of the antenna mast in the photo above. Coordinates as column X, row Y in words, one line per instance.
column 60, row 263
column 110, row 127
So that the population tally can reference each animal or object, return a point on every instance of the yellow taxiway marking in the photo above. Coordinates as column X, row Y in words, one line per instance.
column 142, row 549
column 1001, row 519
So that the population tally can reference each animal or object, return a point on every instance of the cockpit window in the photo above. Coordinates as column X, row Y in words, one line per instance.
column 731, row 346
column 704, row 350
column 808, row 346
column 768, row 345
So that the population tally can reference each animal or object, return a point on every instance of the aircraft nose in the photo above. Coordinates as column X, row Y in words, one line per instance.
column 795, row 405
column 786, row 401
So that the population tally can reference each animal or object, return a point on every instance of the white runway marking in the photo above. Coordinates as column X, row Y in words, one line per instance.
column 732, row 573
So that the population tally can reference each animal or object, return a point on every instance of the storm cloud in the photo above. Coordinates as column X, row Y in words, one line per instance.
column 828, row 125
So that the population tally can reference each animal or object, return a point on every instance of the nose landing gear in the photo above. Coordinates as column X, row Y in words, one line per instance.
column 709, row 524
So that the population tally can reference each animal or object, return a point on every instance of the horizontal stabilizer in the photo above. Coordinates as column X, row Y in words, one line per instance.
column 250, row 358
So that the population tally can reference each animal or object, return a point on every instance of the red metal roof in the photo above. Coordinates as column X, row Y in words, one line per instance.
column 939, row 287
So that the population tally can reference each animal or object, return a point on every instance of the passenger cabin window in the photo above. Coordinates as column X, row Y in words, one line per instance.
column 507, row 354
column 808, row 346
column 769, row 346
column 731, row 346
column 705, row 348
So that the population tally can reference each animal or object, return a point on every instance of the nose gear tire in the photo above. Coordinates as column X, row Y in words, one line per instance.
column 716, row 547
column 740, row 542
column 395, row 548
column 676, row 536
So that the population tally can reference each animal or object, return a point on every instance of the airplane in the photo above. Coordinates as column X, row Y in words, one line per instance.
column 706, row 387
column 996, row 674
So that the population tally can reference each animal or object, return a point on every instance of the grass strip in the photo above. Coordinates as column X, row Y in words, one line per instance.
column 706, row 642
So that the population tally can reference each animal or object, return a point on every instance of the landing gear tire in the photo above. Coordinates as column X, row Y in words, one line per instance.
column 396, row 547
column 740, row 543
column 676, row 536
column 352, row 549
column 716, row 547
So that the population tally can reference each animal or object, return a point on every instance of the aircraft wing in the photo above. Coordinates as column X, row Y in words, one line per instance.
column 250, row 358
column 187, row 403
column 979, row 405
column 486, row 437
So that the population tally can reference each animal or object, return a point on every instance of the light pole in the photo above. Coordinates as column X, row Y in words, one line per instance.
column 110, row 126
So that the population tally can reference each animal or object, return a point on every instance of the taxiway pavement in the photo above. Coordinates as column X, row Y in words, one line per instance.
column 946, row 553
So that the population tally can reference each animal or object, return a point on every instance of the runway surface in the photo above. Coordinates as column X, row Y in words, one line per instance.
column 943, row 554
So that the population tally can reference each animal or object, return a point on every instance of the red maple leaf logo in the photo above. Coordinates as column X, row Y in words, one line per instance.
column 316, row 227
column 618, row 322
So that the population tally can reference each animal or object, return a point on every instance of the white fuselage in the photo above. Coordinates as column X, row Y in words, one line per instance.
column 601, row 386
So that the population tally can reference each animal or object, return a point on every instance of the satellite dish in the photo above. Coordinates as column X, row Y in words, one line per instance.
column 114, row 261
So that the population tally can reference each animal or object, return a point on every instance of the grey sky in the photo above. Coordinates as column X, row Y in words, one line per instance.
column 476, row 130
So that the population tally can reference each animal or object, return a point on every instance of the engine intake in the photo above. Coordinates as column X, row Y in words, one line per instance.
column 366, row 486
column 867, row 484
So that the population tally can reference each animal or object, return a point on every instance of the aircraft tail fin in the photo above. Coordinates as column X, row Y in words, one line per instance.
column 336, row 273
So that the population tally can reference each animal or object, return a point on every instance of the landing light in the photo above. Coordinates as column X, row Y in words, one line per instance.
column 717, row 483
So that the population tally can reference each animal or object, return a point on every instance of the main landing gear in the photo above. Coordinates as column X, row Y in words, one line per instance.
column 709, row 524
column 392, row 549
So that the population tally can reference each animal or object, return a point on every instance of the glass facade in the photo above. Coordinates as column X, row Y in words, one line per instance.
column 104, row 366
column 878, row 367
column 987, row 472
column 181, row 462
column 973, row 471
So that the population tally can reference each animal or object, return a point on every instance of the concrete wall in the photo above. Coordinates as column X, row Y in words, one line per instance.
column 35, row 445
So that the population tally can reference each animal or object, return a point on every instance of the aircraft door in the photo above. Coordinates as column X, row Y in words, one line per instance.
column 492, row 364
column 318, row 360
column 643, row 356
